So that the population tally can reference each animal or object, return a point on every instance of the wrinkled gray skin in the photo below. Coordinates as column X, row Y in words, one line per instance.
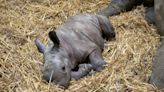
column 77, row 41
column 157, row 76
column 154, row 16
column 118, row 6
column 150, row 15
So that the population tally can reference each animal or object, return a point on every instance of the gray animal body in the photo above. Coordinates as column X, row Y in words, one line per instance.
column 157, row 76
column 77, row 41
column 118, row 6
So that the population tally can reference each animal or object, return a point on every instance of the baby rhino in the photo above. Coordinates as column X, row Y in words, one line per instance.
column 75, row 48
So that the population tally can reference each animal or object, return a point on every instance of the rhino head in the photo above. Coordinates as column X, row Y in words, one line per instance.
column 57, row 68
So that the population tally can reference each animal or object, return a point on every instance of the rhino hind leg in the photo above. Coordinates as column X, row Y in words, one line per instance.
column 118, row 6
column 96, row 60
column 106, row 27
column 150, row 15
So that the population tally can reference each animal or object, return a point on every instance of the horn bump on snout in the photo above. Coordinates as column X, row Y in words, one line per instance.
column 41, row 48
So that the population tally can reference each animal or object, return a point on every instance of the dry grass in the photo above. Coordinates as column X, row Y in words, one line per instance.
column 129, row 57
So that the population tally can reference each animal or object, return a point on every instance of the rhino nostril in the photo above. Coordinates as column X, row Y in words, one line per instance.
column 46, row 78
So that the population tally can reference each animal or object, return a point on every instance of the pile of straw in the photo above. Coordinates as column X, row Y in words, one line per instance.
column 129, row 57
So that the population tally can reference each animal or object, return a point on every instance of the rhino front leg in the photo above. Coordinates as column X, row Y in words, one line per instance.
column 97, row 60
column 83, row 70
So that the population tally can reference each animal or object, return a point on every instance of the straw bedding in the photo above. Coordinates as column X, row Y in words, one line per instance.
column 129, row 57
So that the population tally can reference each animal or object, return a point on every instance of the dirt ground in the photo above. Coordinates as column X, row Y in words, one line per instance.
column 129, row 57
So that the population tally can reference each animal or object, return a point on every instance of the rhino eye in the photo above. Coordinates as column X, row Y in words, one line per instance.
column 63, row 68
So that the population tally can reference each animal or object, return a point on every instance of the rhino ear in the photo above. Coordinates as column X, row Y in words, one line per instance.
column 53, row 37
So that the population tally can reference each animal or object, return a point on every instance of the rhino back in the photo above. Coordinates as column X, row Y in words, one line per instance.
column 80, row 35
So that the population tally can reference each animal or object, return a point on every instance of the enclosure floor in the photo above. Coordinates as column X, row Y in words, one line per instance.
column 129, row 57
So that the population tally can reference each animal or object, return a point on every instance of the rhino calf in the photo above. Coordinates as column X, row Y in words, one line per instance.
column 77, row 41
